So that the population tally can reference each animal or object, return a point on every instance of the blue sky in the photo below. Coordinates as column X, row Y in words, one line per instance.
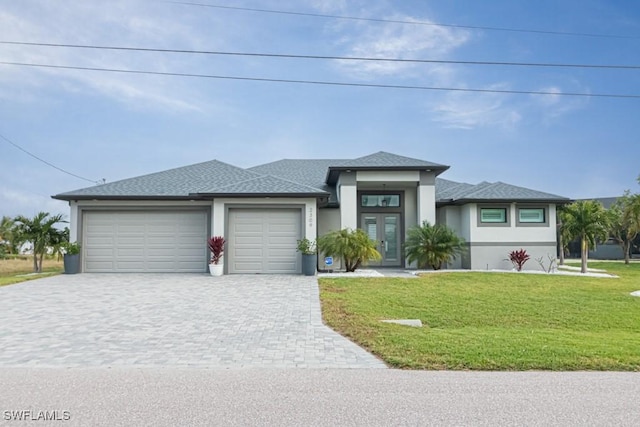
column 112, row 126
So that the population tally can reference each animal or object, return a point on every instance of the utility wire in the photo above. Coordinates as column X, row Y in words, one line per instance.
column 393, row 21
column 46, row 162
column 341, row 58
column 325, row 83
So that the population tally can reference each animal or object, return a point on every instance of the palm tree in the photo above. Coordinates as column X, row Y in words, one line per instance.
column 40, row 231
column 432, row 245
column 625, row 221
column 587, row 220
column 563, row 238
column 8, row 235
column 354, row 247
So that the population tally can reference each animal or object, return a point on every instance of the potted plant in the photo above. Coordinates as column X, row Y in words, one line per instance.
column 309, row 258
column 216, row 247
column 71, row 257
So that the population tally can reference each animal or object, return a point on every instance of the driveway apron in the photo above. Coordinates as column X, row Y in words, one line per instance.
column 233, row 321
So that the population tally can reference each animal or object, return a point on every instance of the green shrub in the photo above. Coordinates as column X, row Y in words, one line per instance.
column 354, row 247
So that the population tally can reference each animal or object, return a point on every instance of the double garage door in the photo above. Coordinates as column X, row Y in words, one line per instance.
column 259, row 241
column 145, row 241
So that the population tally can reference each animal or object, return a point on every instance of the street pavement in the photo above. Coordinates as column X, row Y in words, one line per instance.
column 318, row 397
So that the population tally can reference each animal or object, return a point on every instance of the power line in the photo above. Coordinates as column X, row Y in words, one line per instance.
column 394, row 21
column 341, row 58
column 44, row 161
column 325, row 83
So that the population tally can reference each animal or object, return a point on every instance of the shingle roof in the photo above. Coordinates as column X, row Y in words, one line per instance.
column 450, row 191
column 310, row 172
column 263, row 184
column 382, row 161
column 291, row 177
column 213, row 177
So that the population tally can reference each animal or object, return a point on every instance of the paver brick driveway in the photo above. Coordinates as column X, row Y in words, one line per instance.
column 89, row 320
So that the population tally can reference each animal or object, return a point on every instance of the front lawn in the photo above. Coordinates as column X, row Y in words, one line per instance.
column 493, row 321
column 16, row 270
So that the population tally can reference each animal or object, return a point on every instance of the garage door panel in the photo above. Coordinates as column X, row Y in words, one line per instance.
column 145, row 241
column 264, row 240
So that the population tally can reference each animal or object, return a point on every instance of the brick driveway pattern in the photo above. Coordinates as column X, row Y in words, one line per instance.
column 234, row 321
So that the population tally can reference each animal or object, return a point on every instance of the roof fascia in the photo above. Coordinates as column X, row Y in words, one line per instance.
column 334, row 171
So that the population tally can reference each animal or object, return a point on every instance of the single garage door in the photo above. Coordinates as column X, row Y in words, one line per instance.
column 144, row 241
column 264, row 241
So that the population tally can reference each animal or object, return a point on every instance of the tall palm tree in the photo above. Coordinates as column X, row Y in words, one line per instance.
column 625, row 221
column 40, row 231
column 432, row 245
column 587, row 220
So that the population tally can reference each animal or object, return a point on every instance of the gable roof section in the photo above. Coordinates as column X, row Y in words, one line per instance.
column 187, row 182
column 382, row 161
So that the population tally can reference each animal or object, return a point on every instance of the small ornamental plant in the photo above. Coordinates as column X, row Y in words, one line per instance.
column 71, row 248
column 306, row 247
column 216, row 246
column 519, row 258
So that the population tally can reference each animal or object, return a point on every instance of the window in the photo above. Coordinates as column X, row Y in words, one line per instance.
column 380, row 200
column 531, row 215
column 493, row 215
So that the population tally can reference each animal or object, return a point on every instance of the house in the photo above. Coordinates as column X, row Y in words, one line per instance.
column 159, row 222
column 610, row 249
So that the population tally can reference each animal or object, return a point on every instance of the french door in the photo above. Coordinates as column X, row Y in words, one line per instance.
column 384, row 229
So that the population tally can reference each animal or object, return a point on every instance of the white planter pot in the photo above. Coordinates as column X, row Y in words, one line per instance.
column 216, row 269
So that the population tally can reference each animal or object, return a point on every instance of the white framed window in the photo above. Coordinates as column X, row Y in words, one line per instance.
column 493, row 215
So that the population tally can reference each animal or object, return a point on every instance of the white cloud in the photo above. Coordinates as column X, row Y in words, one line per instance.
column 473, row 110
column 114, row 23
column 551, row 107
column 401, row 41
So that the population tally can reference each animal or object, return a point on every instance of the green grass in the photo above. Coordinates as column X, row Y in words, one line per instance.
column 16, row 270
column 493, row 321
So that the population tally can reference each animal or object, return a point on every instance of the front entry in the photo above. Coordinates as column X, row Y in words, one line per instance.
column 384, row 229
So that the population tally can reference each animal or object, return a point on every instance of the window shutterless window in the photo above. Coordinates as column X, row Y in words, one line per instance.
column 380, row 200
column 531, row 215
column 493, row 215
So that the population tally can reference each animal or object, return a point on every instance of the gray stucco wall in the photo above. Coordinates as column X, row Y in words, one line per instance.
column 328, row 220
column 607, row 251
column 496, row 256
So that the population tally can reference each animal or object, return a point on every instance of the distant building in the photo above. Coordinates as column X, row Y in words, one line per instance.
column 610, row 249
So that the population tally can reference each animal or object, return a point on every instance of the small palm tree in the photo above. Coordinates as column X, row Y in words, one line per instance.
column 354, row 247
column 432, row 245
column 587, row 220
column 9, row 238
column 42, row 234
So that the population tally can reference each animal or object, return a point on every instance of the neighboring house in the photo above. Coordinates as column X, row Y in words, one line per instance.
column 159, row 222
column 610, row 249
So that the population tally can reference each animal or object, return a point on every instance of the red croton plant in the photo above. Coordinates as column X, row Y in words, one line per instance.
column 216, row 246
column 518, row 258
